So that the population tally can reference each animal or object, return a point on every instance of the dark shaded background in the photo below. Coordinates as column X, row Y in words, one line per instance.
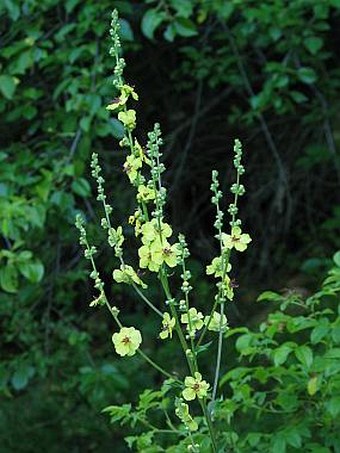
column 265, row 72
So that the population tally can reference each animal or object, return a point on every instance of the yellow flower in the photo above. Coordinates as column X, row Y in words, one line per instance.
column 126, row 274
column 125, row 93
column 131, row 166
column 145, row 259
column 164, row 253
column 128, row 118
column 236, row 240
column 215, row 268
column 195, row 386
column 196, row 320
column 145, row 194
column 228, row 287
column 168, row 324
column 215, row 324
column 127, row 341
column 153, row 230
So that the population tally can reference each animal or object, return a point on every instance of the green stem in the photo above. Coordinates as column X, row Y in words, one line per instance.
column 165, row 285
column 157, row 367
column 219, row 355
column 204, row 331
column 146, row 300
column 210, row 427
column 140, row 352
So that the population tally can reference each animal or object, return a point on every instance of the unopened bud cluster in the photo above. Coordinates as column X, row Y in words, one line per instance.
column 215, row 188
column 115, row 50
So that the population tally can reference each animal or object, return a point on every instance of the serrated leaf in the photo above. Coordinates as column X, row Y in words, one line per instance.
column 118, row 413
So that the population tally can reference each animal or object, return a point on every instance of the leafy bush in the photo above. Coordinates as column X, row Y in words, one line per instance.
column 288, row 383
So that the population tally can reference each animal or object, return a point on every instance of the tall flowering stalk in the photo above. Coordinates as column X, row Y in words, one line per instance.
column 160, row 253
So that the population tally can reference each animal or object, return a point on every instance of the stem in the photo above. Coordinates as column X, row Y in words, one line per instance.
column 154, row 365
column 146, row 300
column 204, row 331
column 120, row 325
column 210, row 427
column 165, row 285
column 219, row 355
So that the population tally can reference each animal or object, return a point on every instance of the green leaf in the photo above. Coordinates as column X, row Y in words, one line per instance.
column 185, row 27
column 307, row 75
column 333, row 406
column 335, row 3
column 269, row 295
column 279, row 444
column 184, row 8
column 298, row 97
column 320, row 331
column 275, row 33
column 7, row 86
column 9, row 278
column 203, row 347
column 70, row 5
column 85, row 123
column 293, row 437
column 81, row 187
column 125, row 31
column 333, row 353
column 32, row 270
column 13, row 9
column 117, row 128
column 22, row 376
column 281, row 354
column 151, row 21
column 312, row 386
column 336, row 258
column 304, row 354
column 170, row 33
column 313, row 44
column 119, row 413
column 243, row 342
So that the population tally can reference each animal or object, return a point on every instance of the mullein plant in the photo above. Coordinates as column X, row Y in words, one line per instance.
column 159, row 252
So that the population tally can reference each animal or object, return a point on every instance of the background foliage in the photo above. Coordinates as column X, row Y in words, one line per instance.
column 267, row 72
